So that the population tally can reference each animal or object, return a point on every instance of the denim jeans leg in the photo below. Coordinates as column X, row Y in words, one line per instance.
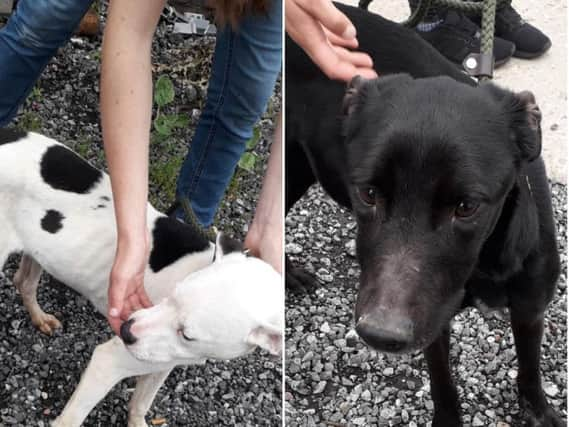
column 34, row 32
column 245, row 67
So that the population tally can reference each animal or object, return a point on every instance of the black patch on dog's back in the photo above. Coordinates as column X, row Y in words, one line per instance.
column 11, row 135
column 51, row 222
column 64, row 170
column 172, row 240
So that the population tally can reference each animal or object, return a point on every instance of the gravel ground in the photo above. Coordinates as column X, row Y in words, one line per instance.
column 332, row 379
column 37, row 373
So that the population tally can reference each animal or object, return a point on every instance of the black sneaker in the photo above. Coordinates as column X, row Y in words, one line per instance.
column 457, row 36
column 530, row 42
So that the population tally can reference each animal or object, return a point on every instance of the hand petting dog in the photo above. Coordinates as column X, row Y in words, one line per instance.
column 327, row 36
column 126, row 286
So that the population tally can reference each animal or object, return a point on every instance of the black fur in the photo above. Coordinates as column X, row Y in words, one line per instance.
column 410, row 155
column 64, row 170
column 229, row 245
column 8, row 136
column 52, row 221
column 172, row 240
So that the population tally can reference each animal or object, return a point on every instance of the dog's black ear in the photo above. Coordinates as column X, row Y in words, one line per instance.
column 526, row 125
column 524, row 118
column 353, row 95
column 225, row 245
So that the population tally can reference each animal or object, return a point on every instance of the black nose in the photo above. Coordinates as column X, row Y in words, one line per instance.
column 126, row 335
column 393, row 334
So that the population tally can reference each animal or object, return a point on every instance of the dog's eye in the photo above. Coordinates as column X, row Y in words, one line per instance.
column 187, row 338
column 466, row 208
column 368, row 195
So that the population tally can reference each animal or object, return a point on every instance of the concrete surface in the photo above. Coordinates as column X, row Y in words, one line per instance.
column 546, row 77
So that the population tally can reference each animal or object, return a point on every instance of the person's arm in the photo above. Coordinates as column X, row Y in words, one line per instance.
column 265, row 236
column 126, row 109
column 325, row 33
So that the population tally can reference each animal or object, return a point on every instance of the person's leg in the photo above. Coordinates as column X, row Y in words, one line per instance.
column 34, row 32
column 245, row 67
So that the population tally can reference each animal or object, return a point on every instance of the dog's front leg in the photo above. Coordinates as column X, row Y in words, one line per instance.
column 528, row 333
column 111, row 362
column 443, row 391
column 146, row 388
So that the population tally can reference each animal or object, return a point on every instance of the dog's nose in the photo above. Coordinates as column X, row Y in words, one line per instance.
column 126, row 335
column 393, row 334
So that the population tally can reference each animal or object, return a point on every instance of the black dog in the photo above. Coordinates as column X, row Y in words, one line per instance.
column 450, row 195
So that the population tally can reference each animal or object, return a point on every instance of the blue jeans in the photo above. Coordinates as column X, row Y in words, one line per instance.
column 34, row 32
column 245, row 67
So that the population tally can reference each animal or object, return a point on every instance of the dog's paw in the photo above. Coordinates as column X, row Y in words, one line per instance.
column 46, row 323
column 548, row 418
column 137, row 422
column 298, row 280
column 446, row 419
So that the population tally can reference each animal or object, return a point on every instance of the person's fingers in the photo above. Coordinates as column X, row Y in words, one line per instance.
column 330, row 17
column 143, row 298
column 339, row 41
column 115, row 323
column 361, row 61
column 134, row 304
column 336, row 63
column 116, row 293
column 333, row 61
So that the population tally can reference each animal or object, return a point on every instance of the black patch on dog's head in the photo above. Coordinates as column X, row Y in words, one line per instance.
column 64, row 170
column 51, row 222
column 8, row 136
column 172, row 240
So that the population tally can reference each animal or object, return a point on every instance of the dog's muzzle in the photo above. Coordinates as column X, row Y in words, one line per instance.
column 125, row 333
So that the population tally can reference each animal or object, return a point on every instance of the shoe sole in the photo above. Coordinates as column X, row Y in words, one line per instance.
column 530, row 55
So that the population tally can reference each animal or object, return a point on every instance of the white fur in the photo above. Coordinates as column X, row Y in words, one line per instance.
column 228, row 307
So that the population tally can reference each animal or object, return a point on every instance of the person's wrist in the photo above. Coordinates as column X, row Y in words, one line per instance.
column 132, row 239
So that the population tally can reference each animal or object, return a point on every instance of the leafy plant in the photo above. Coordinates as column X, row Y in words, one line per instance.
column 163, row 91
column 30, row 121
column 249, row 158
column 163, row 175
column 164, row 124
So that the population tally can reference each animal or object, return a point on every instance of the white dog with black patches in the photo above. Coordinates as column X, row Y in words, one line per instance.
column 57, row 210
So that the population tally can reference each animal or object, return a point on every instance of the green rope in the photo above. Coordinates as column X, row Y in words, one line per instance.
column 190, row 218
column 486, row 8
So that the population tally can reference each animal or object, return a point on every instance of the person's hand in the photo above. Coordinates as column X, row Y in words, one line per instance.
column 126, row 288
column 326, row 35
column 265, row 236
column 265, row 242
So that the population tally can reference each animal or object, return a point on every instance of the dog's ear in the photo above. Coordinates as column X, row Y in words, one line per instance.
column 353, row 95
column 225, row 245
column 524, row 119
column 268, row 338
column 526, row 125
